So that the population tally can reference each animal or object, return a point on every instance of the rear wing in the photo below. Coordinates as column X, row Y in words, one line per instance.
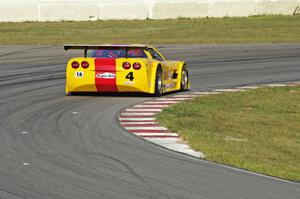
column 96, row 47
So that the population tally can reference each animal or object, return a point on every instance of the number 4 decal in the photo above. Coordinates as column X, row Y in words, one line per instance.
column 130, row 76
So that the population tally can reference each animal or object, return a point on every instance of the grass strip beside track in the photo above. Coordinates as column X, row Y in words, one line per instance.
column 262, row 29
column 258, row 130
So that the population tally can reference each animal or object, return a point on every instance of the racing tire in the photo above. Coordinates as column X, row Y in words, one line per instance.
column 184, row 80
column 72, row 93
column 159, row 82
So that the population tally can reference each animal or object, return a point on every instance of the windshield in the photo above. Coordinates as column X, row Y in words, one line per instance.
column 117, row 53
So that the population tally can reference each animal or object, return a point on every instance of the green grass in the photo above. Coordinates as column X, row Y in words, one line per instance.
column 258, row 130
column 262, row 29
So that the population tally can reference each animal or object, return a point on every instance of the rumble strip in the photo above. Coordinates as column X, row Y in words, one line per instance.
column 140, row 119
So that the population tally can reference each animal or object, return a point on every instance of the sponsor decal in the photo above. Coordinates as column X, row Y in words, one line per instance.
column 79, row 74
column 172, row 85
column 106, row 75
column 129, row 83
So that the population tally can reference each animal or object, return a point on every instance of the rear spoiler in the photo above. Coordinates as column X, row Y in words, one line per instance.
column 96, row 47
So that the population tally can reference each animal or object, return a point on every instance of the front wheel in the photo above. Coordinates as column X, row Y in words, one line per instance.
column 184, row 79
column 158, row 82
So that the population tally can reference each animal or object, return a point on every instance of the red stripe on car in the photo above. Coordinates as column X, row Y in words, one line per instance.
column 105, row 77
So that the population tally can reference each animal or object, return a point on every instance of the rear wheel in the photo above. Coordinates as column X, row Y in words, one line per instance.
column 184, row 79
column 158, row 82
column 71, row 93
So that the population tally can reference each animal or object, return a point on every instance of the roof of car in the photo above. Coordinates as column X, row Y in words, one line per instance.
column 95, row 47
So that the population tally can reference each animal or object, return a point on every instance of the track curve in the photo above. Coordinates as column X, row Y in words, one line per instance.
column 54, row 146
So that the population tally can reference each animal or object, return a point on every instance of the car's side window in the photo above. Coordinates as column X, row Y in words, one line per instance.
column 155, row 55
column 136, row 53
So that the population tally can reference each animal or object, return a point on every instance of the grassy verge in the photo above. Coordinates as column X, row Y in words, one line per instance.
column 258, row 130
column 263, row 29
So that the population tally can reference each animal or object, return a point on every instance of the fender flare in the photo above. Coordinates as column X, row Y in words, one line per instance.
column 179, row 69
column 153, row 76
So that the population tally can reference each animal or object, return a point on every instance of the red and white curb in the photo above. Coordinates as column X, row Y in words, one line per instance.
column 140, row 119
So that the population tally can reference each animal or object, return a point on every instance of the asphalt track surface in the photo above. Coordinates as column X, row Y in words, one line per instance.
column 58, row 146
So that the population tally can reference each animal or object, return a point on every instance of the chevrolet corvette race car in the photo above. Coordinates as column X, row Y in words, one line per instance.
column 124, row 68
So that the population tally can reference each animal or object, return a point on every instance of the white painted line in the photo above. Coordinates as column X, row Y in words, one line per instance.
column 142, row 110
column 151, row 106
column 25, row 163
column 182, row 96
column 186, row 96
column 156, row 134
column 137, row 114
column 248, row 87
column 274, row 85
column 228, row 90
column 206, row 93
column 24, row 132
column 196, row 154
column 145, row 128
column 74, row 112
column 175, row 145
column 136, row 119
column 162, row 102
column 173, row 99
column 164, row 140
column 137, row 123
column 184, row 148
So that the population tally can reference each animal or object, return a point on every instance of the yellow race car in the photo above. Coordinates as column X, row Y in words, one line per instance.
column 124, row 68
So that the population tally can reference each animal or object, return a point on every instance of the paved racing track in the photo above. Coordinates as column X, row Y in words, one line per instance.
column 54, row 146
